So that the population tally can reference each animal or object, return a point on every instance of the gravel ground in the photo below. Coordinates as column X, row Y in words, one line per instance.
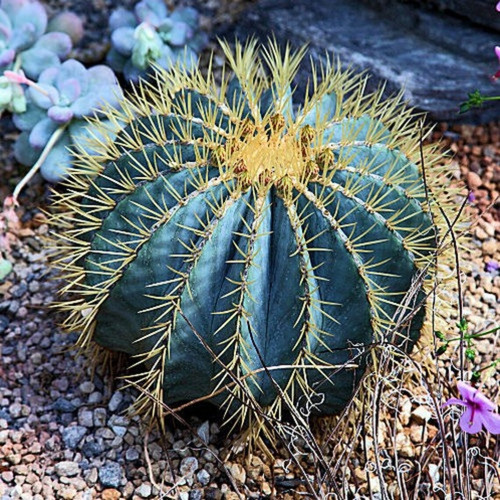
column 63, row 434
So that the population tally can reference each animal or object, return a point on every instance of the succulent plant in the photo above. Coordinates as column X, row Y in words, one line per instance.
column 69, row 23
column 152, row 36
column 23, row 25
column 55, row 121
column 12, row 96
column 28, row 44
column 245, row 252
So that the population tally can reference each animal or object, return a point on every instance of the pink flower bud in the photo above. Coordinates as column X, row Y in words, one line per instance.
column 16, row 77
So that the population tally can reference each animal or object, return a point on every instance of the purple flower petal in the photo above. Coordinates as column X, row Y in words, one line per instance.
column 484, row 403
column 491, row 266
column 454, row 401
column 491, row 422
column 466, row 391
column 470, row 424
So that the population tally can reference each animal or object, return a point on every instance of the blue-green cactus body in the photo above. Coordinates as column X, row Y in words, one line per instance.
column 242, row 281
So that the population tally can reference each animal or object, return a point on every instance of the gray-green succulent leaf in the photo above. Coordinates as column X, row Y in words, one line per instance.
column 62, row 100
column 151, row 36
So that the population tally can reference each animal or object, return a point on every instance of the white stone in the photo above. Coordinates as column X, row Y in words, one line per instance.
column 67, row 468
column 144, row 490
column 421, row 414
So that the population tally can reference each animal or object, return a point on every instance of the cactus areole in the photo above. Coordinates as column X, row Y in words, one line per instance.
column 243, row 249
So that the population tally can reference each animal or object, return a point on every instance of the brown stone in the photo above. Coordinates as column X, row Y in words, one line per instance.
column 476, row 150
column 110, row 494
column 7, row 476
column 480, row 234
column 266, row 489
column 490, row 246
column 473, row 180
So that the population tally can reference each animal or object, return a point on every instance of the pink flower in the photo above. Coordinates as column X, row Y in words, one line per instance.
column 478, row 410
column 498, row 6
column 496, row 76
column 20, row 77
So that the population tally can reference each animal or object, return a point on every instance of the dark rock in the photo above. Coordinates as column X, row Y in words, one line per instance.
column 63, row 405
column 478, row 11
column 282, row 482
column 7, row 350
column 66, row 419
column 92, row 449
column 5, row 415
column 19, row 290
column 195, row 495
column 213, row 494
column 4, row 323
column 437, row 58
column 14, row 306
column 73, row 435
column 110, row 475
column 84, row 464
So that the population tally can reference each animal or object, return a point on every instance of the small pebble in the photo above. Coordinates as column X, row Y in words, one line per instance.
column 86, row 418
column 73, row 435
column 87, row 387
column 131, row 454
column 188, row 466
column 111, row 475
column 203, row 477
column 115, row 401
column 144, row 490
column 67, row 468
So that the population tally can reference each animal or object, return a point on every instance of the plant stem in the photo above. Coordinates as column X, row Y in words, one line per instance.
column 17, row 64
column 491, row 365
column 492, row 98
column 476, row 335
column 34, row 169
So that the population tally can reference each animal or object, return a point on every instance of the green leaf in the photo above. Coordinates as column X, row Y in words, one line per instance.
column 442, row 349
column 440, row 335
column 462, row 325
column 5, row 268
column 470, row 354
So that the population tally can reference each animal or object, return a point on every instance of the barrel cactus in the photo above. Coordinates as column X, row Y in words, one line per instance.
column 246, row 250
